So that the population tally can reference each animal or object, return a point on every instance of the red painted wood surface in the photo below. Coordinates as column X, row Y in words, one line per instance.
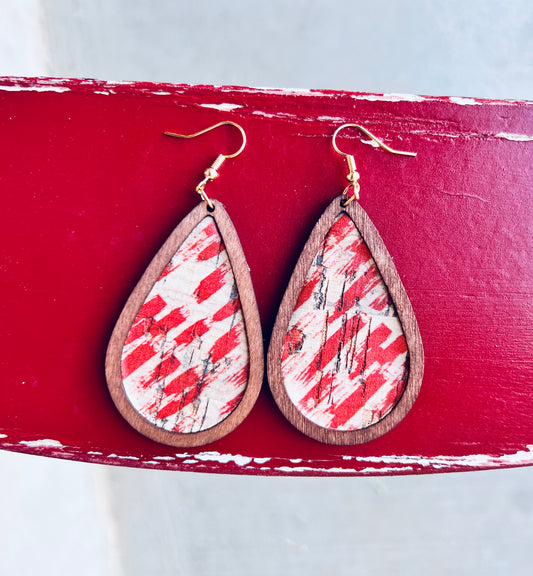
column 91, row 189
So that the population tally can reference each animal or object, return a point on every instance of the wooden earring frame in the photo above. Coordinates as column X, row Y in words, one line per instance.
column 252, row 325
column 389, row 274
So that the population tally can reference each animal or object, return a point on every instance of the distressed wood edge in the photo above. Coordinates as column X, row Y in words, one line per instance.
column 392, row 280
column 251, row 321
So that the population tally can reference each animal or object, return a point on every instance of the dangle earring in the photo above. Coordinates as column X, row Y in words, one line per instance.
column 345, row 362
column 185, row 361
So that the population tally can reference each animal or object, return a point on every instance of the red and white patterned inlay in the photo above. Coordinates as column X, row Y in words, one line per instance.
column 344, row 359
column 185, row 361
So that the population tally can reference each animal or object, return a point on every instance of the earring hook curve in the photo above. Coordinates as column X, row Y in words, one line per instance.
column 209, row 128
column 212, row 172
column 370, row 135
column 353, row 175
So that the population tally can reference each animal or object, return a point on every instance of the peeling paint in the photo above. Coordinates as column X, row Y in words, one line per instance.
column 378, row 465
column 284, row 115
column 104, row 92
column 388, row 97
column 283, row 91
column 226, row 107
column 386, row 470
column 464, row 101
column 471, row 461
column 392, row 464
column 35, row 88
column 123, row 457
column 261, row 460
column 44, row 443
column 311, row 469
column 370, row 143
column 515, row 137
column 223, row 458
column 330, row 119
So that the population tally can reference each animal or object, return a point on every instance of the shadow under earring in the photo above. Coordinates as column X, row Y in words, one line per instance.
column 185, row 361
column 345, row 362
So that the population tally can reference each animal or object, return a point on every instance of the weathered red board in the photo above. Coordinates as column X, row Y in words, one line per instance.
column 91, row 189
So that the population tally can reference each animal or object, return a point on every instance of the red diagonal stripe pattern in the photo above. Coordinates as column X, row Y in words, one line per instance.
column 185, row 361
column 344, row 360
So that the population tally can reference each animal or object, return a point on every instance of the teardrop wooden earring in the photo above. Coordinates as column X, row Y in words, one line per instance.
column 185, row 361
column 345, row 362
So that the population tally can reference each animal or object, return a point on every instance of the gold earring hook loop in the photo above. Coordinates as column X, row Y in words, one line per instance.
column 213, row 127
column 353, row 175
column 212, row 172
column 371, row 136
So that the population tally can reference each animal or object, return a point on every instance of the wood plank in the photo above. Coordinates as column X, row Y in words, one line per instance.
column 91, row 189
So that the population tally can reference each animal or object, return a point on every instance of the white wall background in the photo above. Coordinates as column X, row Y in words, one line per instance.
column 63, row 518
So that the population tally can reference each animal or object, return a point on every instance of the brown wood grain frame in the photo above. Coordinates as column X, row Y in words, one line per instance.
column 251, row 320
column 404, row 310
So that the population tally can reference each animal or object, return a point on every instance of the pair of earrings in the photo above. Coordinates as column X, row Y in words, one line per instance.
column 185, row 361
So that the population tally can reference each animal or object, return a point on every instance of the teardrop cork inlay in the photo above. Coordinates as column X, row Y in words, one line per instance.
column 344, row 357
column 185, row 361
column 345, row 362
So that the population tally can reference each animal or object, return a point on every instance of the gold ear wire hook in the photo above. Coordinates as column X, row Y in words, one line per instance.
column 212, row 172
column 353, row 175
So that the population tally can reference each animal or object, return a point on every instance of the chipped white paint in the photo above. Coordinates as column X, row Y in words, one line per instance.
column 104, row 92
column 330, row 119
column 44, row 443
column 522, row 457
column 464, row 101
column 223, row 458
column 388, row 97
column 123, row 457
column 293, row 469
column 281, row 91
column 225, row 107
column 385, row 470
column 428, row 133
column 284, row 115
column 392, row 463
column 369, row 470
column 370, row 143
column 35, row 88
column 515, row 137
column 262, row 460
column 387, row 464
